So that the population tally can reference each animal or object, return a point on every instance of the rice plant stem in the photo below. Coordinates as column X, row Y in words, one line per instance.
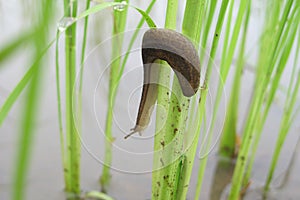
column 13, row 96
column 83, row 57
column 78, row 104
column 227, row 143
column 282, row 133
column 191, row 27
column 192, row 151
column 228, row 58
column 288, row 111
column 10, row 48
column 290, row 33
column 207, row 28
column 117, row 43
column 27, row 129
column 59, row 110
column 72, row 140
column 26, row 138
column 252, row 117
column 132, row 40
column 160, row 189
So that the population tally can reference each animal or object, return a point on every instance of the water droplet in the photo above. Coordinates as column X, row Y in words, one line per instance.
column 64, row 23
column 121, row 6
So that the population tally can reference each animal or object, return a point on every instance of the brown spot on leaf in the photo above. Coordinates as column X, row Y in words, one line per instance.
column 179, row 109
column 175, row 130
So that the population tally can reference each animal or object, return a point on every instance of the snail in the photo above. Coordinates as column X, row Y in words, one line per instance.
column 180, row 53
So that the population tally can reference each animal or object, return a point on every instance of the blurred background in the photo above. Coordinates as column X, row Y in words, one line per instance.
column 132, row 158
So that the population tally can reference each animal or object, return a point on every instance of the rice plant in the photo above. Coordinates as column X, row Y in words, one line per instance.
column 221, row 33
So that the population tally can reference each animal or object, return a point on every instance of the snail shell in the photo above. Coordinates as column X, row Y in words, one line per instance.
column 180, row 53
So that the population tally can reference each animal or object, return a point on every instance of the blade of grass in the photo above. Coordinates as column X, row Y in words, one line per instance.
column 72, row 141
column 288, row 111
column 59, row 112
column 160, row 188
column 104, row 5
column 256, row 104
column 120, row 16
column 27, row 128
column 191, row 27
column 193, row 20
column 84, row 38
column 224, row 69
column 227, row 35
column 291, row 167
column 284, row 129
column 227, row 142
column 72, row 157
column 208, row 23
column 13, row 96
column 290, row 33
column 81, row 71
column 98, row 8
column 234, row 37
column 215, row 44
column 15, row 44
column 135, row 34
column 86, row 13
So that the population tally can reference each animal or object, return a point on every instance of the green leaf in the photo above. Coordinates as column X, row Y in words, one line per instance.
column 5, row 108
column 97, row 8
column 148, row 19
column 14, row 45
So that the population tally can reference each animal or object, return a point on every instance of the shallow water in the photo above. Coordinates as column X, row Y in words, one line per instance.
column 132, row 158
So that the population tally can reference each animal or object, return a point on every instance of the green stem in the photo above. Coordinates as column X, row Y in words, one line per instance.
column 282, row 134
column 194, row 13
column 263, row 78
column 160, row 188
column 73, row 143
column 115, row 68
column 59, row 110
column 286, row 47
column 207, row 28
column 285, row 123
column 26, row 137
column 227, row 143
column 192, row 151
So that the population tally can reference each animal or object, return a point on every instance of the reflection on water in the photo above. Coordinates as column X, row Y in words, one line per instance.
column 221, row 178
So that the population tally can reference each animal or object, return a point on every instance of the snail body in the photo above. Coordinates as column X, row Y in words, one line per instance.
column 180, row 53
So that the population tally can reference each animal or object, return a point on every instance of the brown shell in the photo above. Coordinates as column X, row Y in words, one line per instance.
column 178, row 51
column 183, row 58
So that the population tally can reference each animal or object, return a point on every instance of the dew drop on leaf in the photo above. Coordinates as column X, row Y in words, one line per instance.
column 121, row 6
column 64, row 23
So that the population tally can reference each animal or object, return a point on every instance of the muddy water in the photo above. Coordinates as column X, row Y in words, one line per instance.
column 132, row 158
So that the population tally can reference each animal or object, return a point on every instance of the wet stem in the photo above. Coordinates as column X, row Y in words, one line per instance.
column 120, row 17
column 26, row 138
column 161, row 178
column 72, row 167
